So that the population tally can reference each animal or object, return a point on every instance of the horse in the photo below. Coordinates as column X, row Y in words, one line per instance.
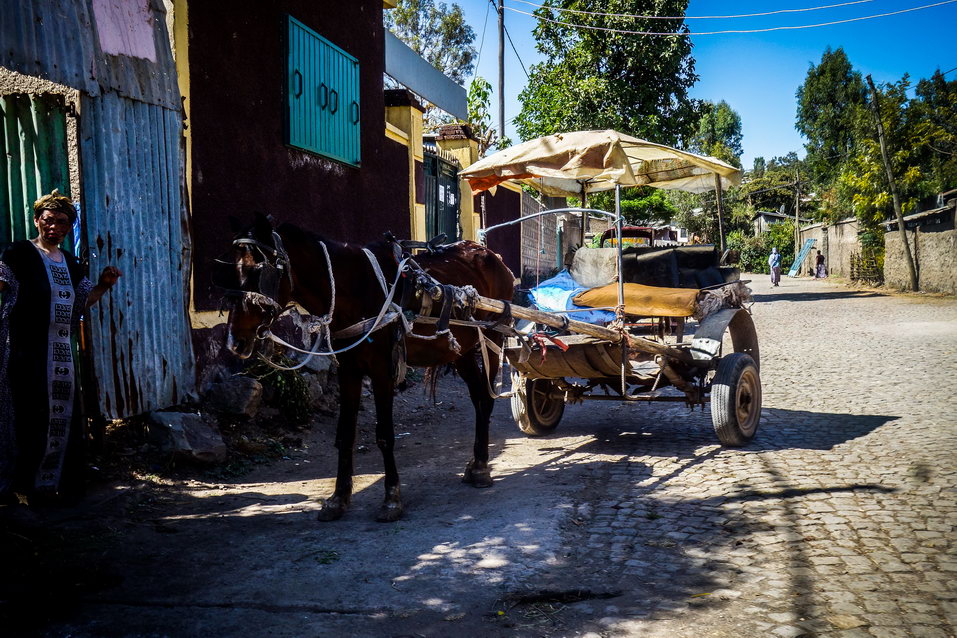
column 338, row 282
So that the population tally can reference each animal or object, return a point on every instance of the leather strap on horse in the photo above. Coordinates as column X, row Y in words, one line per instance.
column 484, row 345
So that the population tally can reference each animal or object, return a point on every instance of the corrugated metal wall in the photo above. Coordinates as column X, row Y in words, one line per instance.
column 57, row 40
column 33, row 140
column 132, row 165
column 136, row 220
column 133, row 197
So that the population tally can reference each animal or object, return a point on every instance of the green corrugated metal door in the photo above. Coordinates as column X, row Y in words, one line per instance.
column 322, row 96
column 33, row 136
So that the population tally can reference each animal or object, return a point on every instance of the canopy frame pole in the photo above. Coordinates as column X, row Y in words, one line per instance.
column 483, row 232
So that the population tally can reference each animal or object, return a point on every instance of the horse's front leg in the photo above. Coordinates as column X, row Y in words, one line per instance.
column 350, row 390
column 383, row 389
column 477, row 472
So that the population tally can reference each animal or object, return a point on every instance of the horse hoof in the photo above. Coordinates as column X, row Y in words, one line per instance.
column 390, row 512
column 331, row 511
column 477, row 478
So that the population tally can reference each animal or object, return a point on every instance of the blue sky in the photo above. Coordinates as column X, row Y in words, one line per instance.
column 758, row 74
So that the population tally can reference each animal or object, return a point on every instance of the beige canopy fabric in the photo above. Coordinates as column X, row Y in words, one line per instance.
column 565, row 164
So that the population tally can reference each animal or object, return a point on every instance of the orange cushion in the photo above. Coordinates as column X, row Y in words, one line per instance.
column 643, row 301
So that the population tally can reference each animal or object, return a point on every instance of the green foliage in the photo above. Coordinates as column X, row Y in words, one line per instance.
column 288, row 387
column 719, row 133
column 827, row 103
column 479, row 95
column 862, row 184
column 437, row 33
column 647, row 205
column 753, row 252
column 933, row 112
column 597, row 79
column 770, row 184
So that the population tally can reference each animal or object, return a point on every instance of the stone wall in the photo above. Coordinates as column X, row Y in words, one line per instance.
column 934, row 248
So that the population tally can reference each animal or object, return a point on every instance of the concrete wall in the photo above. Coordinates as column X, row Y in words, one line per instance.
column 842, row 242
column 817, row 232
column 934, row 248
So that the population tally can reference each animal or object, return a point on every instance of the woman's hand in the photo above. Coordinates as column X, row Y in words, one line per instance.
column 109, row 276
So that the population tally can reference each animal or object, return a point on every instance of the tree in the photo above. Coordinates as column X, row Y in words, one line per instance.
column 480, row 119
column 933, row 112
column 719, row 133
column 862, row 185
column 646, row 205
column 827, row 104
column 437, row 33
column 598, row 79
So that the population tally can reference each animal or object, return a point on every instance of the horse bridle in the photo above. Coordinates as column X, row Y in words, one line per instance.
column 271, row 270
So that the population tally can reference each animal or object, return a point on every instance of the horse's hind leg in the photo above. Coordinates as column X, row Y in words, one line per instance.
column 350, row 389
column 477, row 472
column 384, row 392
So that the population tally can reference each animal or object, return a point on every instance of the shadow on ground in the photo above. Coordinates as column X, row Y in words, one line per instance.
column 511, row 560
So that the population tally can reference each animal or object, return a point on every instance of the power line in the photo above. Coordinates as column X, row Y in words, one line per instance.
column 652, row 17
column 946, row 72
column 509, row 35
column 732, row 31
column 478, row 56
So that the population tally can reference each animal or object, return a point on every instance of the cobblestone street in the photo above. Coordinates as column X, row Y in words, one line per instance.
column 837, row 520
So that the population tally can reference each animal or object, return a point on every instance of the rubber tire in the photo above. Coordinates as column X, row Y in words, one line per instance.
column 532, row 419
column 736, row 399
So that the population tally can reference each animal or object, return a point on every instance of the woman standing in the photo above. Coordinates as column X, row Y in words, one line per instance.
column 774, row 261
column 44, row 295
column 820, row 272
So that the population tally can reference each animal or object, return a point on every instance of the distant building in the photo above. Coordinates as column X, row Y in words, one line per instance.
column 763, row 220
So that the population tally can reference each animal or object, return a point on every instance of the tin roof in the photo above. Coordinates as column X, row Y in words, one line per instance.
column 94, row 46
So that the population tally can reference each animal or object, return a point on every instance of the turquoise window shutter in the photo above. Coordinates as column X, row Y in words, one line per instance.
column 322, row 96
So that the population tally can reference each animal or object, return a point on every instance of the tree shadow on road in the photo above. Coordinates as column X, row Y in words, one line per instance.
column 823, row 295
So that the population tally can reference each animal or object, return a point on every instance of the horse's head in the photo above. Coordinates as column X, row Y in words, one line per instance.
column 259, row 285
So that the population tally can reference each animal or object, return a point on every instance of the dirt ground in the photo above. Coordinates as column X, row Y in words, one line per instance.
column 182, row 551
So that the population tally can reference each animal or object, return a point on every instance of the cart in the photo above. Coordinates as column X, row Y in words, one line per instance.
column 644, row 351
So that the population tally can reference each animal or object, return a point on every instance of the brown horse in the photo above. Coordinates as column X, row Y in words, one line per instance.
column 291, row 264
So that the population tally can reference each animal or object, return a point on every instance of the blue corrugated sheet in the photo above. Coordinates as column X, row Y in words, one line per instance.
column 57, row 40
column 136, row 219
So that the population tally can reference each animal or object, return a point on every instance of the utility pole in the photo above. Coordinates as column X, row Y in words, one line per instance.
column 876, row 107
column 501, row 69
column 797, row 219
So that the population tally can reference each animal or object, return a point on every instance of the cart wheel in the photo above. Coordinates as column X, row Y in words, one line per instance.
column 534, row 410
column 736, row 399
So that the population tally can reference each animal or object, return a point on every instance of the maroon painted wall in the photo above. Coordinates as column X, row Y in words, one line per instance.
column 504, row 206
column 240, row 163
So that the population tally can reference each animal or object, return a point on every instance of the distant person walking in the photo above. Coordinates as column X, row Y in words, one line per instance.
column 820, row 272
column 774, row 261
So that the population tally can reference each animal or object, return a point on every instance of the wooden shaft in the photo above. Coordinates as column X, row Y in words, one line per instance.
column 556, row 321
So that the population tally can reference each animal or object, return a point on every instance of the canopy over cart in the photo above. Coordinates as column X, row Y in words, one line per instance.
column 631, row 358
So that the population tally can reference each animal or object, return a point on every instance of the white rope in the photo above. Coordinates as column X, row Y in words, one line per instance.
column 324, row 321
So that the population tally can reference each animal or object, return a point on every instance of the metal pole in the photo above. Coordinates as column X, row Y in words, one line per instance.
column 717, row 198
column 621, row 261
column 501, row 69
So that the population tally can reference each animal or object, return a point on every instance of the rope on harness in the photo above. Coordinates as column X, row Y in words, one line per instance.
column 321, row 324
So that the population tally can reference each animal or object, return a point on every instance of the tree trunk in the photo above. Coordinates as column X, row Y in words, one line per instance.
column 875, row 106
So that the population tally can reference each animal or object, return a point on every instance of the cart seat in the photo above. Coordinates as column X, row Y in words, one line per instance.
column 643, row 301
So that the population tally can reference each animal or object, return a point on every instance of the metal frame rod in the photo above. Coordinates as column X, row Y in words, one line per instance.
column 555, row 211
